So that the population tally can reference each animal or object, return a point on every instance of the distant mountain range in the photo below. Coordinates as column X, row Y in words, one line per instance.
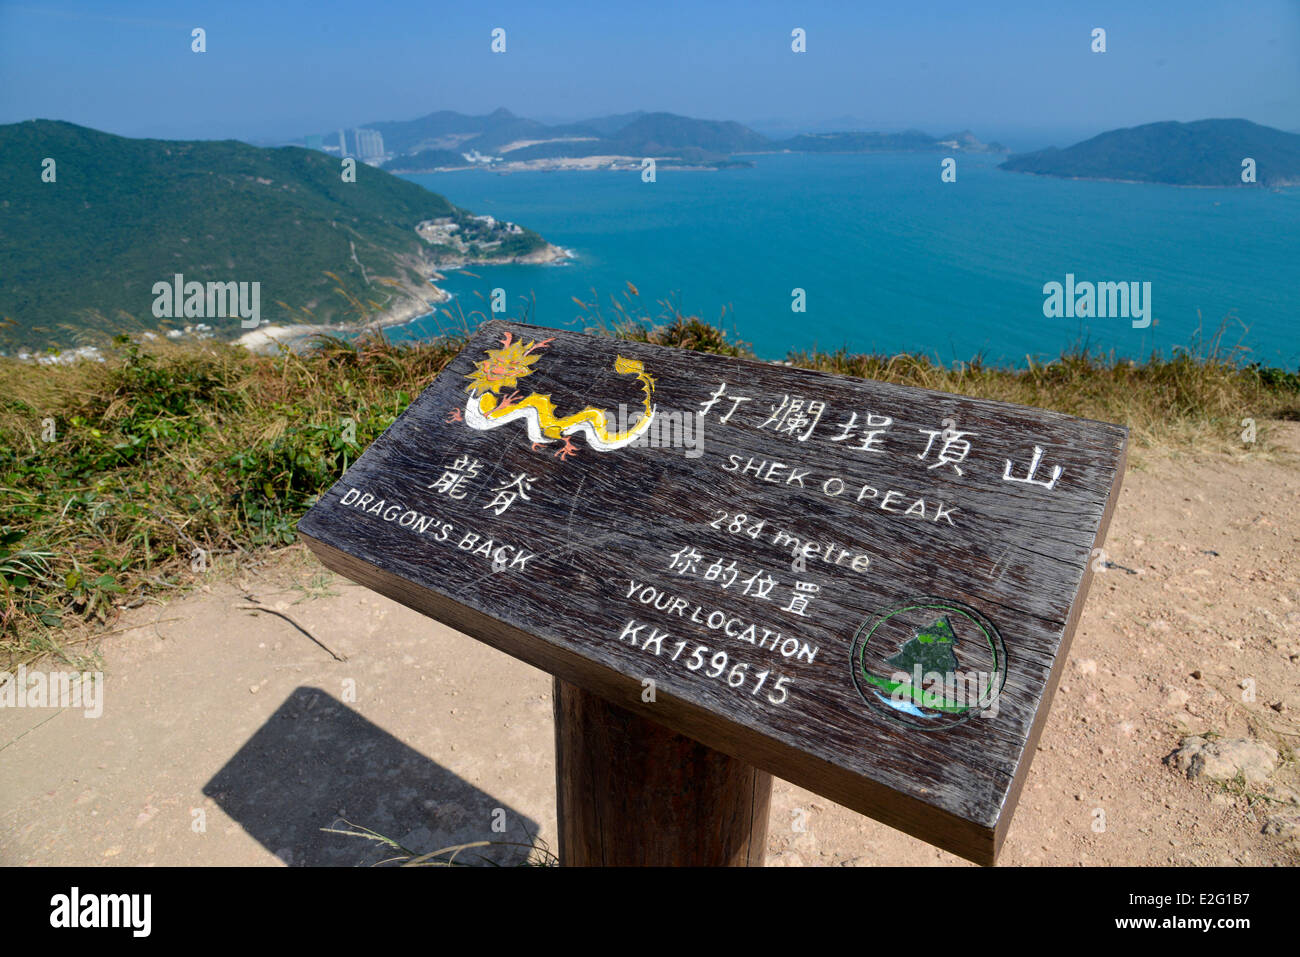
column 447, row 139
column 80, row 256
column 82, row 249
column 1203, row 153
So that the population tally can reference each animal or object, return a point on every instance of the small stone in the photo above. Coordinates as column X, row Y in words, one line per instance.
column 1224, row 760
column 1282, row 824
column 1197, row 674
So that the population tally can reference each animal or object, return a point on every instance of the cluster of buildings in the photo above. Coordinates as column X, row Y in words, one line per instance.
column 438, row 231
column 368, row 146
column 474, row 156
column 492, row 223
column 365, row 145
column 445, row 231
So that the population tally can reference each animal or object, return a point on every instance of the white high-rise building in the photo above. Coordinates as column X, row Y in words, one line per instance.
column 370, row 144
column 343, row 144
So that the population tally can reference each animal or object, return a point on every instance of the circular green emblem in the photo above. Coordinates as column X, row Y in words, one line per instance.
column 929, row 663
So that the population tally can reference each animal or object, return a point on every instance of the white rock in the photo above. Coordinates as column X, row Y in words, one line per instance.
column 1224, row 760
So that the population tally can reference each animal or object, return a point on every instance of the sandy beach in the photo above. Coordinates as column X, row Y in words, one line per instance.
column 270, row 337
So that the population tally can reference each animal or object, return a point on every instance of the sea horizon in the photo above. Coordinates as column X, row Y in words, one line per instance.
column 890, row 258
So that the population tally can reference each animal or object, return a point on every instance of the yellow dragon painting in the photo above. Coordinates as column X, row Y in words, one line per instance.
column 504, row 367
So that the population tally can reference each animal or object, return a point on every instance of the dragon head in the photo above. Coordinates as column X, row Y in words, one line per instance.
column 504, row 367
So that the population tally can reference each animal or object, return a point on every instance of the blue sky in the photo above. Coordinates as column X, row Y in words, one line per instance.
column 1021, row 72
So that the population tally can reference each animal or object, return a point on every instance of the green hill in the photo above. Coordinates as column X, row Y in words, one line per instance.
column 426, row 160
column 1203, row 153
column 79, row 256
column 460, row 133
column 907, row 141
column 656, row 133
column 609, row 125
column 439, row 130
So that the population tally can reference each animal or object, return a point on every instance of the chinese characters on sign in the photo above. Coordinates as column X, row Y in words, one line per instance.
column 798, row 417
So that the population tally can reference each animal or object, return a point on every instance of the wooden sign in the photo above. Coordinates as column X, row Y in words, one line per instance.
column 868, row 590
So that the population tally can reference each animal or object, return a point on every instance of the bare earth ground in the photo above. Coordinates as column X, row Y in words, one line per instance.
column 231, row 736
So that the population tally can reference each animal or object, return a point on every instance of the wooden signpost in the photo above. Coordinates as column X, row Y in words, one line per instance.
column 737, row 570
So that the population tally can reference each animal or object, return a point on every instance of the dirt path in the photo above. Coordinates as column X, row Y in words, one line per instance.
column 231, row 735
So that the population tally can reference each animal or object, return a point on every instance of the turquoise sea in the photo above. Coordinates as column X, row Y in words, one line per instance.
column 892, row 259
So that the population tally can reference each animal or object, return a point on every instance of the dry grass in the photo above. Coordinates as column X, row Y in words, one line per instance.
column 1181, row 405
column 171, row 458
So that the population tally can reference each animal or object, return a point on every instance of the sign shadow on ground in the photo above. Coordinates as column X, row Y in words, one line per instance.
column 316, row 763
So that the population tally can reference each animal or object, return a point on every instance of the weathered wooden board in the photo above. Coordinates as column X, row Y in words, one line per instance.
column 766, row 555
